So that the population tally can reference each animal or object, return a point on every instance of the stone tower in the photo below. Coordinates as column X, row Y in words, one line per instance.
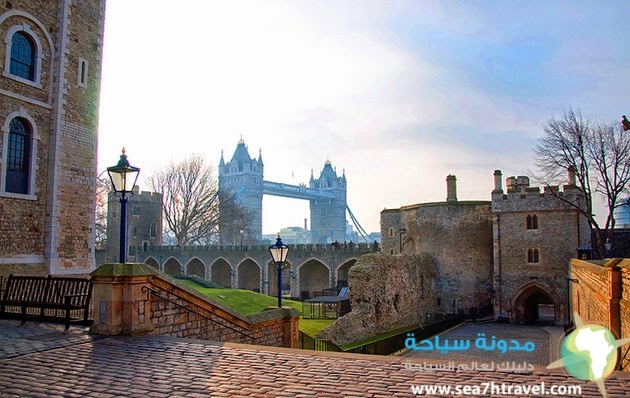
column 328, row 215
column 49, row 91
column 242, row 177
column 535, row 235
column 144, row 224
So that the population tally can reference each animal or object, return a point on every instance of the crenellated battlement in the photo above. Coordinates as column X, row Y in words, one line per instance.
column 146, row 196
column 520, row 196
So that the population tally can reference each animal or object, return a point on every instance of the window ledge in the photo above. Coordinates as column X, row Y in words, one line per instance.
column 35, row 84
column 17, row 196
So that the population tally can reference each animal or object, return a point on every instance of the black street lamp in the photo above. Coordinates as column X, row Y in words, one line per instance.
column 279, row 253
column 241, row 240
column 608, row 246
column 123, row 177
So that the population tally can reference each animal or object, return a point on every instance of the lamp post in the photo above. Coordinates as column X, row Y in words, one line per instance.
column 608, row 245
column 123, row 177
column 279, row 253
column 241, row 240
column 569, row 322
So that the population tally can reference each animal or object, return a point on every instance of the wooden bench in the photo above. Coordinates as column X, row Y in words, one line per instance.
column 48, row 296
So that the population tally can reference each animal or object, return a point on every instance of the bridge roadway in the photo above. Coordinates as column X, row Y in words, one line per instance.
column 295, row 191
column 310, row 268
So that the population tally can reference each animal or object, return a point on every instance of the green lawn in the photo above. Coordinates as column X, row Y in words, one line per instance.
column 248, row 302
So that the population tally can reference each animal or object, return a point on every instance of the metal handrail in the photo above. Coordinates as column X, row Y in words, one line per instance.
column 155, row 293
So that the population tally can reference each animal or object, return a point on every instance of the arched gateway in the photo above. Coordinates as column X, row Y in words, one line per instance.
column 536, row 304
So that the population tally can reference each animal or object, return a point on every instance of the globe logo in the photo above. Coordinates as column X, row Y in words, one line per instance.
column 589, row 353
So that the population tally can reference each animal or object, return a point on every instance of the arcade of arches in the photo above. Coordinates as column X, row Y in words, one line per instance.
column 298, row 280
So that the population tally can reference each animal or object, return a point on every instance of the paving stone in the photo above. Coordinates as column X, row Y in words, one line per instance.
column 153, row 366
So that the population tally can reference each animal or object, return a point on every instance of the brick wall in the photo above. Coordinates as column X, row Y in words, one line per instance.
column 591, row 294
column 208, row 321
column 135, row 298
column 601, row 296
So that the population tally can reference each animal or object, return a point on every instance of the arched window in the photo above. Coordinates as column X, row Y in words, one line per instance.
column 152, row 230
column 532, row 222
column 23, row 56
column 18, row 159
column 532, row 256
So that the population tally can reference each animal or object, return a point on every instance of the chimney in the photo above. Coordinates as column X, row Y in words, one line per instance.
column 497, row 181
column 571, row 175
column 451, row 188
column 306, row 229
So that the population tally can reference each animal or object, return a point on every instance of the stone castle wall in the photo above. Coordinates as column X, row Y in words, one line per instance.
column 144, row 209
column 386, row 293
column 457, row 236
column 51, row 228
column 555, row 236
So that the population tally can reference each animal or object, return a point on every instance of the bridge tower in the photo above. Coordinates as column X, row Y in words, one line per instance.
column 328, row 215
column 243, row 176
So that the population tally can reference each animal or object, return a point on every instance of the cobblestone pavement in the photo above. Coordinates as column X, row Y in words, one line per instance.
column 546, row 343
column 73, row 364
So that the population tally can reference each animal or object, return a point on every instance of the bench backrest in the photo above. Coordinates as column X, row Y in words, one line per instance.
column 53, row 290
column 25, row 288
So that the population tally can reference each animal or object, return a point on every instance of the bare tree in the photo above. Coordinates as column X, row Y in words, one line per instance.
column 600, row 157
column 103, row 187
column 191, row 201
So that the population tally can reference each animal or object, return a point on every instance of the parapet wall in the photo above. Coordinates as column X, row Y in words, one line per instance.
column 600, row 294
column 136, row 298
column 531, row 199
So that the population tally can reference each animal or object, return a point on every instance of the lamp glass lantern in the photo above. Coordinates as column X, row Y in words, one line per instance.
column 279, row 253
column 123, row 177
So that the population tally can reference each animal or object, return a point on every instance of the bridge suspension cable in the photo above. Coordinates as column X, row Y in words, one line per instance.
column 362, row 233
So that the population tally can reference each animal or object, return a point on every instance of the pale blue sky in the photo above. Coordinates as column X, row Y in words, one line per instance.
column 398, row 94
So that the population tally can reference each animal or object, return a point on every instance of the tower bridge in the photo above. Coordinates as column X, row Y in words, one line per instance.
column 295, row 191
column 243, row 175
column 311, row 267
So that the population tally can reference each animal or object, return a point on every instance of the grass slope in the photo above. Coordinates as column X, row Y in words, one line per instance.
column 248, row 302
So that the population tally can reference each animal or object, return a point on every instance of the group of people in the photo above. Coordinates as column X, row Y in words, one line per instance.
column 350, row 245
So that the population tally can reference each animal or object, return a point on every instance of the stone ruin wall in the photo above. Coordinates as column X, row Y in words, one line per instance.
column 386, row 293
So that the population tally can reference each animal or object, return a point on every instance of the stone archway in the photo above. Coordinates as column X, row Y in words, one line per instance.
column 221, row 273
column 535, row 304
column 152, row 262
column 196, row 267
column 314, row 276
column 342, row 273
column 249, row 275
column 287, row 279
column 172, row 267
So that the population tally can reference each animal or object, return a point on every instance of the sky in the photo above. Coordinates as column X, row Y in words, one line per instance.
column 396, row 94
